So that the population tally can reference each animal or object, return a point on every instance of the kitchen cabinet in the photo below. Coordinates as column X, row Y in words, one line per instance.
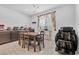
column 8, row 36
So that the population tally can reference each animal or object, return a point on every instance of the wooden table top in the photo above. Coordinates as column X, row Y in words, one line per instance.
column 30, row 33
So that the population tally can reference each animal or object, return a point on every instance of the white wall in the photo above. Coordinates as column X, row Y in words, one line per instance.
column 65, row 16
column 77, row 18
column 13, row 18
column 77, row 22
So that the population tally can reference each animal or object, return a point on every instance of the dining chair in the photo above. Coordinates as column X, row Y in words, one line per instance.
column 40, row 39
column 23, row 40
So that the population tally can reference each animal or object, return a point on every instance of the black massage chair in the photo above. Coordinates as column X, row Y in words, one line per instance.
column 66, row 40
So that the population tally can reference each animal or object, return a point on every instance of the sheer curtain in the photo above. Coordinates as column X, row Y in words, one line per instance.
column 42, row 22
column 47, row 22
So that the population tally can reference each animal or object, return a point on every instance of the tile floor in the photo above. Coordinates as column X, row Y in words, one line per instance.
column 14, row 49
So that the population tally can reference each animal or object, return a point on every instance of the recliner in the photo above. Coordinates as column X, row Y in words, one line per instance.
column 66, row 40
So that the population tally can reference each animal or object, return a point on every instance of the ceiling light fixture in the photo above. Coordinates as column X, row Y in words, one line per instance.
column 35, row 8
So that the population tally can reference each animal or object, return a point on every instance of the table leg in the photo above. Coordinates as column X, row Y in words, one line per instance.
column 34, row 43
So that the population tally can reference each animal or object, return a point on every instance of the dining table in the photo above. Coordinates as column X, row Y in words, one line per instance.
column 33, row 34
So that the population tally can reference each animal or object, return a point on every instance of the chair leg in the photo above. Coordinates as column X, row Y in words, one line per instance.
column 39, row 46
column 19, row 42
column 43, row 44
column 28, row 43
column 23, row 43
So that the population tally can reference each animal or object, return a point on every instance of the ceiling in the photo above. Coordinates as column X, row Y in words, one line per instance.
column 30, row 9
